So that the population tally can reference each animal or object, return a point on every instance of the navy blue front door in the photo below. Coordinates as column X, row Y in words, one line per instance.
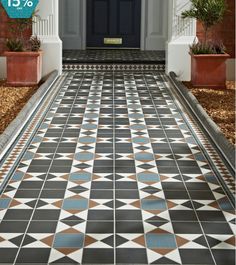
column 117, row 20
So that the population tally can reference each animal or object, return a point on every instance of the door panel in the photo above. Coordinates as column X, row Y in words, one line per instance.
column 113, row 19
column 126, row 10
column 156, row 24
column 99, row 19
column 70, row 24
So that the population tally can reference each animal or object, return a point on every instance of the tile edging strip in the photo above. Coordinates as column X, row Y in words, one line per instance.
column 212, row 130
column 23, row 136
column 195, row 109
column 10, row 134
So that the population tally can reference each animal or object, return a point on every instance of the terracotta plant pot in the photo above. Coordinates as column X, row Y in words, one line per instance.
column 208, row 70
column 24, row 68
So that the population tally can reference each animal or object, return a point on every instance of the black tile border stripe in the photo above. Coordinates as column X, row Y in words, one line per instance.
column 138, row 62
column 113, row 67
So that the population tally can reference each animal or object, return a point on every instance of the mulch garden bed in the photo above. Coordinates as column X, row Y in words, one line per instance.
column 219, row 105
column 12, row 100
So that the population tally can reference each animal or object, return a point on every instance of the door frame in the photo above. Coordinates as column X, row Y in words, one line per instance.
column 142, row 28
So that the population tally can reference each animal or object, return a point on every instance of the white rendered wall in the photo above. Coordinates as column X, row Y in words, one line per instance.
column 180, row 35
column 178, row 59
column 52, row 55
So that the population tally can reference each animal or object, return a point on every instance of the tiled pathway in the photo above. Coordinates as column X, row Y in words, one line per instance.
column 113, row 175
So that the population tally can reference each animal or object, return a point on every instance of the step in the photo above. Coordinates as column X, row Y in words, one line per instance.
column 113, row 67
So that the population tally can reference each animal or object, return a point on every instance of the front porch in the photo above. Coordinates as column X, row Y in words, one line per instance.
column 166, row 31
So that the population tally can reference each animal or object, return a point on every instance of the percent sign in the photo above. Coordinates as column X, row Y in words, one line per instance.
column 28, row 3
column 17, row 3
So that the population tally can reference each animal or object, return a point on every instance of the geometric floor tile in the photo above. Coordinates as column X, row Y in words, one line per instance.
column 111, row 171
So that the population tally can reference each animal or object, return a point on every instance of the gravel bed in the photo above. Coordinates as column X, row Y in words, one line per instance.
column 219, row 105
column 12, row 100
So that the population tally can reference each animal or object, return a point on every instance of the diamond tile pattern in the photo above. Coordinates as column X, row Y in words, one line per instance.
column 113, row 175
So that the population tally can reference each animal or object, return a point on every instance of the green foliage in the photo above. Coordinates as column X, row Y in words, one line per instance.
column 18, row 28
column 35, row 43
column 207, row 48
column 208, row 12
column 15, row 45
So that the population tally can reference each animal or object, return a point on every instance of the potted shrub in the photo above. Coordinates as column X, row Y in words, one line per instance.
column 24, row 58
column 208, row 58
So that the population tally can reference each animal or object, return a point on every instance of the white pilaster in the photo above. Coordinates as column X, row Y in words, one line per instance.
column 46, row 28
column 182, row 33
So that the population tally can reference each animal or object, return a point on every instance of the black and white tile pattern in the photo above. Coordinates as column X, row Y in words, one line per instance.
column 113, row 60
column 113, row 175
column 113, row 67
column 113, row 56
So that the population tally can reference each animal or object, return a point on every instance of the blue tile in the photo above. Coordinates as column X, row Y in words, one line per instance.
column 157, row 204
column 4, row 203
column 87, row 140
column 138, row 127
column 37, row 139
column 225, row 204
column 144, row 156
column 89, row 126
column 148, row 177
column 91, row 115
column 160, row 241
column 83, row 176
column 18, row 176
column 71, row 204
column 84, row 156
column 136, row 116
column 140, row 140
column 69, row 241
column 28, row 155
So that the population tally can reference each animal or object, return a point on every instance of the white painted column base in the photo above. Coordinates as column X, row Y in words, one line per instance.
column 178, row 59
column 3, row 67
column 52, row 54
column 230, row 66
column 52, row 57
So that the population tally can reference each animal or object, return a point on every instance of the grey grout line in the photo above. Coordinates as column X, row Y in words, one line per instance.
column 114, row 161
column 121, row 220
